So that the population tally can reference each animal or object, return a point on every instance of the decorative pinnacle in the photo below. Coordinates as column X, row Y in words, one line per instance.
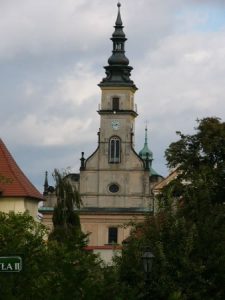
column 46, row 179
column 46, row 186
column 119, row 20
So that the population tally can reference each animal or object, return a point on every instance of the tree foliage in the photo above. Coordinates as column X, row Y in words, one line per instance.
column 21, row 235
column 51, row 270
column 200, row 161
column 187, row 234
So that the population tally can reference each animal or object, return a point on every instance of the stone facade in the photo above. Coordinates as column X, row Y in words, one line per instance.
column 127, row 171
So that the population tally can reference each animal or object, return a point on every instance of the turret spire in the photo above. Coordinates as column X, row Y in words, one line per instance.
column 118, row 71
column 147, row 155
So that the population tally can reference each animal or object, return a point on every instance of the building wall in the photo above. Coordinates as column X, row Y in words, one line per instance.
column 97, row 226
column 133, row 188
column 47, row 218
column 19, row 205
column 129, row 174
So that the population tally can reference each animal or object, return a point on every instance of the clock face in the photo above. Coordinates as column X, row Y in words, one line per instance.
column 115, row 124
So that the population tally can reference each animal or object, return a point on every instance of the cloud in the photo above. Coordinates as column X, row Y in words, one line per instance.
column 52, row 56
column 50, row 26
column 73, row 87
column 60, row 115
column 180, row 81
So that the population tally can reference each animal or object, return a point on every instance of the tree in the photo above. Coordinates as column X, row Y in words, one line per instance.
column 187, row 234
column 51, row 270
column 200, row 161
column 66, row 221
column 78, row 273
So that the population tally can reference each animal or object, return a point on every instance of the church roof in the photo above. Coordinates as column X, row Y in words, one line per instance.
column 160, row 185
column 13, row 182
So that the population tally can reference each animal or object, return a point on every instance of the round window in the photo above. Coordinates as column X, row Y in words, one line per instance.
column 113, row 188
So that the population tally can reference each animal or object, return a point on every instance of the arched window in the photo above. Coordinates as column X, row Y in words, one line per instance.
column 114, row 150
column 115, row 103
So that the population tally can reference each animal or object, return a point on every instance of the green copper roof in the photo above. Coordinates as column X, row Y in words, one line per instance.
column 153, row 172
column 145, row 149
column 146, row 153
column 118, row 70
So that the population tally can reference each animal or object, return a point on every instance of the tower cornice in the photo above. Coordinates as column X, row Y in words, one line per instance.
column 119, row 112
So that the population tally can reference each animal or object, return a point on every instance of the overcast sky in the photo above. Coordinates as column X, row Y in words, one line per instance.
column 52, row 54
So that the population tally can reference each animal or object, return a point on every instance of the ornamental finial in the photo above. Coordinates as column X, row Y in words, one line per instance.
column 146, row 132
column 119, row 20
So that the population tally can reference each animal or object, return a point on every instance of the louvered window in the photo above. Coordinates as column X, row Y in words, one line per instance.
column 114, row 150
column 115, row 104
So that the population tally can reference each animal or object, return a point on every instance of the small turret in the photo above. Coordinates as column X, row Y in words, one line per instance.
column 147, row 155
column 82, row 162
column 47, row 188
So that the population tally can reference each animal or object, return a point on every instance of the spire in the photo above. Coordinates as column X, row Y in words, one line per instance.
column 46, row 184
column 147, row 155
column 146, row 136
column 118, row 71
column 119, row 20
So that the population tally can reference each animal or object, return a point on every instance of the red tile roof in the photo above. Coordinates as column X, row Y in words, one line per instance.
column 13, row 182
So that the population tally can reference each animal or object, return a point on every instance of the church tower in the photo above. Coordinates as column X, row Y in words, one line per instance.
column 115, row 176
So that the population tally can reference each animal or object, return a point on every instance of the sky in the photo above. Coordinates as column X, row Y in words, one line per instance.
column 52, row 54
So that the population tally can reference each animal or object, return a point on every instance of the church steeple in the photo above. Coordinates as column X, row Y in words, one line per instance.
column 118, row 71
